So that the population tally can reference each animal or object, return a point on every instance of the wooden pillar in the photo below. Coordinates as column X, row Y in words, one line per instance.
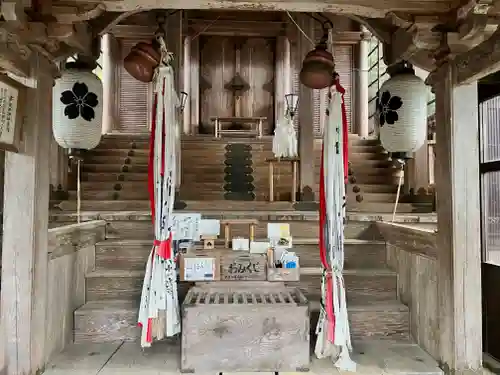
column 186, row 85
column 194, row 96
column 110, row 52
column 306, row 128
column 26, row 215
column 458, row 236
column 283, row 74
column 362, row 111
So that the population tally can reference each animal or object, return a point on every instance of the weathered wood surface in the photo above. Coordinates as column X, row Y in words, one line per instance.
column 416, row 240
column 73, row 237
column 459, row 218
column 25, row 229
column 418, row 289
column 66, row 293
column 249, row 330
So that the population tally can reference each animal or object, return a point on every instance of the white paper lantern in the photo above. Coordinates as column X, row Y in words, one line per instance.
column 402, row 112
column 77, row 105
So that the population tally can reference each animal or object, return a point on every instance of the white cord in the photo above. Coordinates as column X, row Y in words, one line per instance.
column 298, row 27
column 397, row 194
column 78, row 192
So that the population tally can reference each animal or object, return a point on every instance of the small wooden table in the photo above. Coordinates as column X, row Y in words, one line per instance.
column 295, row 163
column 255, row 121
column 252, row 223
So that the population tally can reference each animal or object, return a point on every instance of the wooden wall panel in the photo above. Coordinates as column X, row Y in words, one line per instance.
column 257, row 69
column 344, row 65
column 134, row 101
column 217, row 68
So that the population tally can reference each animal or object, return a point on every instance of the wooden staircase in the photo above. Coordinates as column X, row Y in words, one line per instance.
column 114, row 176
column 114, row 189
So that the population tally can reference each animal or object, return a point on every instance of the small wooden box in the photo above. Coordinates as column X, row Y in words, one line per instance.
column 245, row 330
column 283, row 274
column 242, row 266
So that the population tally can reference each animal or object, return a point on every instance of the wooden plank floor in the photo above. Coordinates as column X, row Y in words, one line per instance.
column 372, row 358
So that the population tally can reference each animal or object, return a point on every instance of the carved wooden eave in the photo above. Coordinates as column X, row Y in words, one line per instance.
column 428, row 40
column 365, row 8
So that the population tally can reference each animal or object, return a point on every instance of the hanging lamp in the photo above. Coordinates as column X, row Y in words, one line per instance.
column 318, row 65
column 402, row 110
column 77, row 107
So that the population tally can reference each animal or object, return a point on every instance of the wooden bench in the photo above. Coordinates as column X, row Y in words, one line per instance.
column 295, row 163
column 252, row 223
column 256, row 122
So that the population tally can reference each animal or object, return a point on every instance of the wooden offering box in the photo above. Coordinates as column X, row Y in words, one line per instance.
column 242, row 266
column 245, row 329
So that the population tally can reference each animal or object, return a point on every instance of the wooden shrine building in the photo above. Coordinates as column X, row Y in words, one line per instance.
column 75, row 278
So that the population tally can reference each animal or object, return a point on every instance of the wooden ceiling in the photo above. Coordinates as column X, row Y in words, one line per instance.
column 425, row 32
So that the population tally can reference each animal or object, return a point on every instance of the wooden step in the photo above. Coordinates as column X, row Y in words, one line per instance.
column 115, row 168
column 114, row 176
column 132, row 254
column 277, row 213
column 304, row 229
column 422, row 220
column 134, row 205
column 373, row 188
column 362, row 285
column 113, row 321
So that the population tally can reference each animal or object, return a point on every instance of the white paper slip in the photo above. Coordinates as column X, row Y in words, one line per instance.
column 209, row 227
column 259, row 247
column 278, row 230
column 199, row 269
column 240, row 244
column 186, row 226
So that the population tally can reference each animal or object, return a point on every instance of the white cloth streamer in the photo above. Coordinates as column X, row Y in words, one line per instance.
column 333, row 167
column 285, row 138
column 159, row 313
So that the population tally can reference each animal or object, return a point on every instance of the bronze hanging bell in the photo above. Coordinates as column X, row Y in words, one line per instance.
column 142, row 61
column 318, row 67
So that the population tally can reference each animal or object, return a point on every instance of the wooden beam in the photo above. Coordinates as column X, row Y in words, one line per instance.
column 133, row 31
column 365, row 8
column 108, row 21
column 77, row 36
column 459, row 232
column 404, row 44
column 410, row 238
column 479, row 61
column 13, row 10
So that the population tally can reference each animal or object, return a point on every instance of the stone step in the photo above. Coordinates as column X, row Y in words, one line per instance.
column 134, row 205
column 111, row 321
column 132, row 254
column 362, row 285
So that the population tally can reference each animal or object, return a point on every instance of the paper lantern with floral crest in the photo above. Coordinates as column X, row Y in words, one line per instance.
column 402, row 111
column 77, row 106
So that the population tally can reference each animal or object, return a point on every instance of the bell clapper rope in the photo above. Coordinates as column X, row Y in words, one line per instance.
column 399, row 190
column 78, row 190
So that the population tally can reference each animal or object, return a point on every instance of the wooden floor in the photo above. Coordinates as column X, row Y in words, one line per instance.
column 372, row 358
